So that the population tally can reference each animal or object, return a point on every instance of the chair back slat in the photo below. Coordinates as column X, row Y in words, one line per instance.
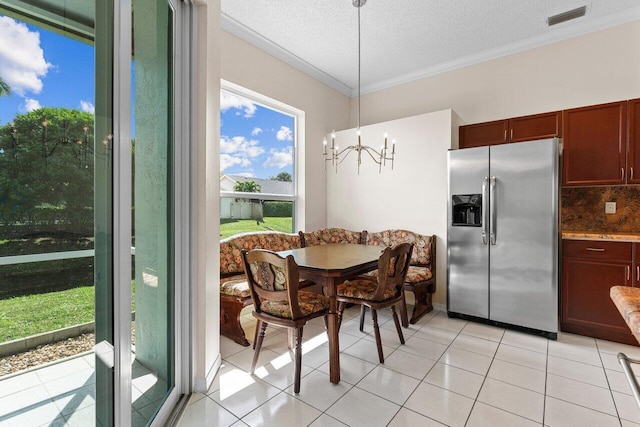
column 392, row 268
column 272, row 277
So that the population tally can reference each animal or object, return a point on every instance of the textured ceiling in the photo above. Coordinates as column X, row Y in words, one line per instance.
column 403, row 40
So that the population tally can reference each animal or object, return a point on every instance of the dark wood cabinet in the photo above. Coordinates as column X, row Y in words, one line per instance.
column 517, row 129
column 594, row 140
column 481, row 134
column 589, row 270
column 633, row 147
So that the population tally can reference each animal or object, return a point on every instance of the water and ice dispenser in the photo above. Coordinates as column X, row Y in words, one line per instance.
column 467, row 210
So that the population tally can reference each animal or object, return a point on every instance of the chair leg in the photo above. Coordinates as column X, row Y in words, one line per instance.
column 341, row 306
column 255, row 334
column 403, row 311
column 290, row 339
column 397, row 322
column 376, row 330
column 363, row 311
column 296, row 386
column 263, row 327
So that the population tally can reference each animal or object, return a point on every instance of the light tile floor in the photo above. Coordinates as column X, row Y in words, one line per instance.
column 449, row 373
column 63, row 394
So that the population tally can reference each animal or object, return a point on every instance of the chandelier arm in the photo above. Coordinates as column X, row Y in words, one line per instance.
column 377, row 156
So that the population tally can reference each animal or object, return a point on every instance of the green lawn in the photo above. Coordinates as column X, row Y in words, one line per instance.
column 229, row 227
column 33, row 314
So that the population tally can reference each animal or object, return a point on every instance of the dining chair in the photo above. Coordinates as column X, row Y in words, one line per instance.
column 273, row 283
column 385, row 290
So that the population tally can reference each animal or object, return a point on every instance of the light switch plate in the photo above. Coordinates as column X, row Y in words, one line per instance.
column 610, row 207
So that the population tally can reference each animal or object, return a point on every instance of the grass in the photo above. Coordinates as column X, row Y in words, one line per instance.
column 34, row 314
column 230, row 227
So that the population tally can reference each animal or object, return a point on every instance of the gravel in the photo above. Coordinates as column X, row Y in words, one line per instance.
column 46, row 353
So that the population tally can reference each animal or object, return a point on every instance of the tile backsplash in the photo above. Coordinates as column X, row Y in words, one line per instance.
column 583, row 209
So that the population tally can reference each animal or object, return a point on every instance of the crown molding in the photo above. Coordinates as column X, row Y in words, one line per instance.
column 563, row 32
column 247, row 34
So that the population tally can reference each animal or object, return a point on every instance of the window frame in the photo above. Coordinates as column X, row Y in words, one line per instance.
column 298, row 124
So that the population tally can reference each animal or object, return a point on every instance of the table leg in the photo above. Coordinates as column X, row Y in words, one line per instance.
column 334, row 346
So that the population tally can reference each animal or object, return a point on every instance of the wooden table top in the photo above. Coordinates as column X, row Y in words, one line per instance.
column 334, row 257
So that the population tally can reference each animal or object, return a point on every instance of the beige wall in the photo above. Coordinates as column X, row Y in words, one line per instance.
column 595, row 68
column 412, row 196
column 325, row 109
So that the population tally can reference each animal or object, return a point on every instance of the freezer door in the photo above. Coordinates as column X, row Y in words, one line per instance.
column 524, row 234
column 467, row 255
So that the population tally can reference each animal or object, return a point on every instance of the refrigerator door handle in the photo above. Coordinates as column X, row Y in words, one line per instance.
column 485, row 215
column 492, row 208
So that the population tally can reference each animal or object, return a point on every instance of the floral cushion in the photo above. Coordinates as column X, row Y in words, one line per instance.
column 231, row 248
column 363, row 289
column 421, row 244
column 331, row 235
column 414, row 275
column 308, row 302
column 235, row 286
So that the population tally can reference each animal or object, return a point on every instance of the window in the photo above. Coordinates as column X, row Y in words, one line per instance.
column 258, row 141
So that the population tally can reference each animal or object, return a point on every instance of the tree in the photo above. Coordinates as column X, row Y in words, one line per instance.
column 282, row 176
column 5, row 89
column 46, row 168
column 247, row 187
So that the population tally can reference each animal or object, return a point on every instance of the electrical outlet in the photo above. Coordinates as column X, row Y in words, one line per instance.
column 610, row 207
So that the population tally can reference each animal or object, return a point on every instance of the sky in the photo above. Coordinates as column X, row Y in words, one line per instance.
column 254, row 140
column 44, row 69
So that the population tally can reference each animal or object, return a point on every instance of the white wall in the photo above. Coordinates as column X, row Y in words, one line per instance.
column 324, row 108
column 412, row 196
column 595, row 68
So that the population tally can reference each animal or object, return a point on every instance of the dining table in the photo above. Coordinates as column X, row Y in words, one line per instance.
column 329, row 265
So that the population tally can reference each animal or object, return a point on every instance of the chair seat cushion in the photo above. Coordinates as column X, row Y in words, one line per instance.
column 235, row 286
column 309, row 302
column 363, row 289
column 415, row 274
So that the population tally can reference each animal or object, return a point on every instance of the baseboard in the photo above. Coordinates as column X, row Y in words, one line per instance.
column 440, row 307
column 201, row 385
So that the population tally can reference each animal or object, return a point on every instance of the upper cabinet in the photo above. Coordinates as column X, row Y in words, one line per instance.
column 595, row 140
column 633, row 148
column 517, row 129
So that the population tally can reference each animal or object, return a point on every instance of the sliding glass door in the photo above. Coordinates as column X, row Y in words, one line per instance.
column 108, row 167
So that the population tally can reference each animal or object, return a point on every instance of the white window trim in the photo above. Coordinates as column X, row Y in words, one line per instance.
column 298, row 152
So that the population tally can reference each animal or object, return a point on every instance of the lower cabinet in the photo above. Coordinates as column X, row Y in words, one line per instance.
column 589, row 270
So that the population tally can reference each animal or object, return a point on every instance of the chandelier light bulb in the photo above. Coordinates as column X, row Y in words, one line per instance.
column 358, row 132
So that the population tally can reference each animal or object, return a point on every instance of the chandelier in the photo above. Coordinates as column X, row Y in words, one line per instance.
column 335, row 155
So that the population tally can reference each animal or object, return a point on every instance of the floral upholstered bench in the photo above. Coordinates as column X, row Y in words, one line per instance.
column 326, row 236
column 234, row 289
column 421, row 277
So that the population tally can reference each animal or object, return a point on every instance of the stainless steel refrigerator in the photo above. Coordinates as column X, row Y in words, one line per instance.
column 502, row 257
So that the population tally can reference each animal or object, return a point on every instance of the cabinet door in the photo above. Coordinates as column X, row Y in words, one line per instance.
column 633, row 150
column 594, row 138
column 587, row 308
column 483, row 134
column 538, row 126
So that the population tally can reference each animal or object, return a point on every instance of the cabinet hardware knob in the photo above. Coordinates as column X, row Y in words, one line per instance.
column 637, row 273
column 631, row 173
column 596, row 249
column 512, row 134
column 621, row 174
column 628, row 273
column 505, row 134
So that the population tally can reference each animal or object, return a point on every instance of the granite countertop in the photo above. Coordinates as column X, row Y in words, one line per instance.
column 591, row 235
column 627, row 300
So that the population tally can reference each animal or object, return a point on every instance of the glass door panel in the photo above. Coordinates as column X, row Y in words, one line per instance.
column 152, row 145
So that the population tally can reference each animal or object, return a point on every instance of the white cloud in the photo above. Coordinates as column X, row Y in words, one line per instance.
column 227, row 161
column 22, row 63
column 228, row 100
column 30, row 104
column 246, row 174
column 87, row 107
column 238, row 151
column 256, row 131
column 279, row 158
column 284, row 134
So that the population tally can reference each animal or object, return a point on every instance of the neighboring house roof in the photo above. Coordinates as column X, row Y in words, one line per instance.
column 268, row 186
